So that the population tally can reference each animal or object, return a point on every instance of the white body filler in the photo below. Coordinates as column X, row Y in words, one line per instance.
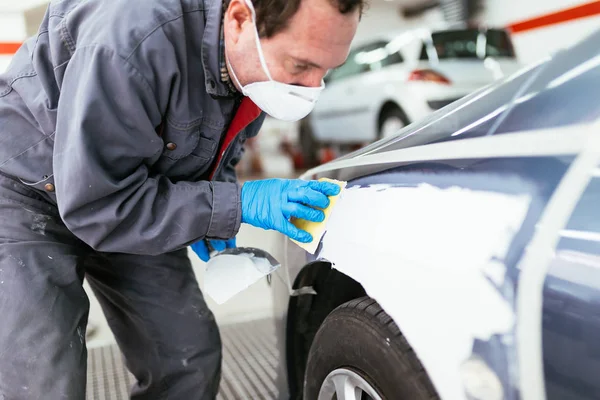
column 446, row 244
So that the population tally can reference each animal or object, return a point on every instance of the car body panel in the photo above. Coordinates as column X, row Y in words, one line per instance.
column 469, row 146
column 448, row 322
column 536, row 176
column 573, row 74
column 571, row 314
column 338, row 111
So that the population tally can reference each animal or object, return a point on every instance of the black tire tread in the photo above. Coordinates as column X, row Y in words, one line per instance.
column 372, row 308
column 307, row 314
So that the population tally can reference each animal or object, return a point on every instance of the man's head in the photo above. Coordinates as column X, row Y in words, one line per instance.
column 301, row 39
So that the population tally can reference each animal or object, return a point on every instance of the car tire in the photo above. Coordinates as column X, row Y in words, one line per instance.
column 309, row 146
column 307, row 312
column 392, row 119
column 361, row 338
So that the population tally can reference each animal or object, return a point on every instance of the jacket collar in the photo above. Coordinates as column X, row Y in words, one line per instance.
column 211, row 49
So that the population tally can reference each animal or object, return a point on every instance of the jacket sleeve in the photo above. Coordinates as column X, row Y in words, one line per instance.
column 107, row 194
column 228, row 171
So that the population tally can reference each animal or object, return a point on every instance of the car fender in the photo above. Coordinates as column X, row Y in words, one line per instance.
column 438, row 265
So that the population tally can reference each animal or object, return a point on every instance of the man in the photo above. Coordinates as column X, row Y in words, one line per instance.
column 121, row 124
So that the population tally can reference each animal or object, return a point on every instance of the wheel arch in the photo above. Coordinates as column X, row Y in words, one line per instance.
column 386, row 107
column 307, row 312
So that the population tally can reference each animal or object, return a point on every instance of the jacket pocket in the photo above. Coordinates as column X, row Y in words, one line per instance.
column 179, row 143
column 187, row 153
column 33, row 165
column 206, row 148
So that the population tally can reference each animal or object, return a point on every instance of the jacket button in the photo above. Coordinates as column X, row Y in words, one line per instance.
column 49, row 187
column 171, row 146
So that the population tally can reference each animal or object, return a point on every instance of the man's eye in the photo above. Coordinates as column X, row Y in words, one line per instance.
column 301, row 67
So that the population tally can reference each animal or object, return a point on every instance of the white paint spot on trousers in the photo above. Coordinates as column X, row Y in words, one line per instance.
column 80, row 334
column 17, row 259
column 39, row 224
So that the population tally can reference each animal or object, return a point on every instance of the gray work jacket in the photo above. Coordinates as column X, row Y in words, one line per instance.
column 80, row 108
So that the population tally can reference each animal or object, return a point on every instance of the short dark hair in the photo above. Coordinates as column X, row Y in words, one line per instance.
column 272, row 16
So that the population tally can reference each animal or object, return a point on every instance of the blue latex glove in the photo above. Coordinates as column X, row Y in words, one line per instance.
column 203, row 251
column 269, row 204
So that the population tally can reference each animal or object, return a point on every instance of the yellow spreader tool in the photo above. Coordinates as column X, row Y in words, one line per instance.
column 317, row 229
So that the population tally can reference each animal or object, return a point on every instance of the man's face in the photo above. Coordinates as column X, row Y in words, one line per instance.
column 317, row 39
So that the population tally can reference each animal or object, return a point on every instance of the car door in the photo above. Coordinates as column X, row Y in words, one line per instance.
column 372, row 88
column 329, row 119
column 571, row 310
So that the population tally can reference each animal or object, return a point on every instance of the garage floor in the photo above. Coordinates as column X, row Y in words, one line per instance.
column 249, row 366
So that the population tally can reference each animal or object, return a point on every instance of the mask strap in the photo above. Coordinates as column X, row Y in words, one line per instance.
column 263, row 62
column 233, row 75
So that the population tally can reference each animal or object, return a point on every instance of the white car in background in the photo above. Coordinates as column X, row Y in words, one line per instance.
column 401, row 78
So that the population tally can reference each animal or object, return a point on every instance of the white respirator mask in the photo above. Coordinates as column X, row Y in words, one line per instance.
column 280, row 100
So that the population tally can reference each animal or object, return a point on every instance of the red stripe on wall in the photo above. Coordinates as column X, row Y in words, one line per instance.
column 569, row 14
column 9, row 48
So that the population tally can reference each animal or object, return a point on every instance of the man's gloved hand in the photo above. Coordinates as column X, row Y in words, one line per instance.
column 203, row 250
column 269, row 204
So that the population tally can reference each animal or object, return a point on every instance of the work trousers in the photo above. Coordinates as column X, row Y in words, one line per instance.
column 153, row 305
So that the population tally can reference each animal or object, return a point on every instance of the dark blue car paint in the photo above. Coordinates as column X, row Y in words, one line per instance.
column 535, row 176
column 572, row 308
column 549, row 104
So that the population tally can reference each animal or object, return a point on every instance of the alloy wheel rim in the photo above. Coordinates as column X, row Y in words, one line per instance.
column 344, row 384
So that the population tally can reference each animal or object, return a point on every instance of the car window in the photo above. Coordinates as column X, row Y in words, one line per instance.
column 348, row 69
column 468, row 44
column 498, row 44
column 377, row 56
column 367, row 58
column 570, row 317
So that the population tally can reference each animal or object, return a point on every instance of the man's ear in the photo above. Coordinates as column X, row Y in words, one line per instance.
column 236, row 16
